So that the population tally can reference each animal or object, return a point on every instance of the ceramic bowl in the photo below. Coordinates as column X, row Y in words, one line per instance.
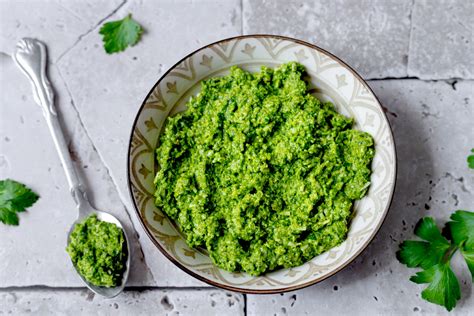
column 329, row 79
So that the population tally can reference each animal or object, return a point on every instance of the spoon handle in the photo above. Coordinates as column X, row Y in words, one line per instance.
column 31, row 57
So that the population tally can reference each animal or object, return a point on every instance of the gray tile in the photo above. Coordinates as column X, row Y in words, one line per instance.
column 34, row 252
column 372, row 36
column 59, row 23
column 147, row 302
column 442, row 39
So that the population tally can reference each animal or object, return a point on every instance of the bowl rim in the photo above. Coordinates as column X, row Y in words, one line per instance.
column 246, row 290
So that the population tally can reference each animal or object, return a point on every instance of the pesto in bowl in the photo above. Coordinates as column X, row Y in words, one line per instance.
column 261, row 173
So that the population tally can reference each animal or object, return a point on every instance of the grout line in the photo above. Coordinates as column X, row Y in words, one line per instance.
column 396, row 78
column 419, row 79
column 90, row 30
column 127, row 289
column 410, row 34
column 81, row 124
column 245, row 304
column 241, row 17
column 173, row 288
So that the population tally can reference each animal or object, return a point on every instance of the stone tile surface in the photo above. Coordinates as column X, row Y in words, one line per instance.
column 58, row 21
column 371, row 36
column 147, row 302
column 431, row 122
column 35, row 250
column 442, row 40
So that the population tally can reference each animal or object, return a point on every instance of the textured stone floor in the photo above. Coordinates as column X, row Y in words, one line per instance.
column 417, row 55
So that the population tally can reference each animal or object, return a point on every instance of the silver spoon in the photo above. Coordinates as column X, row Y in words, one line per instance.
column 31, row 57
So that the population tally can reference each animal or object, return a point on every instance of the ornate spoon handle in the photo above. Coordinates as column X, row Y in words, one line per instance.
column 31, row 57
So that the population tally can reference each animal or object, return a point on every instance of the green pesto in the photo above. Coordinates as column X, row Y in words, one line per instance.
column 259, row 172
column 97, row 250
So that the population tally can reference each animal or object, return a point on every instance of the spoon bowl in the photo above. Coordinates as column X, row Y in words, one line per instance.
column 108, row 292
column 31, row 57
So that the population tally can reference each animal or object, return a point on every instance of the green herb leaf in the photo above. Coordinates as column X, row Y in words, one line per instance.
column 14, row 197
column 424, row 253
column 8, row 217
column 470, row 160
column 118, row 35
column 469, row 257
column 461, row 228
column 434, row 254
column 443, row 288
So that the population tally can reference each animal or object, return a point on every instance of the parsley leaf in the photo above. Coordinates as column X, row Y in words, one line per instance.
column 8, row 217
column 424, row 253
column 443, row 288
column 470, row 160
column 461, row 228
column 118, row 35
column 468, row 255
column 14, row 197
column 433, row 255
